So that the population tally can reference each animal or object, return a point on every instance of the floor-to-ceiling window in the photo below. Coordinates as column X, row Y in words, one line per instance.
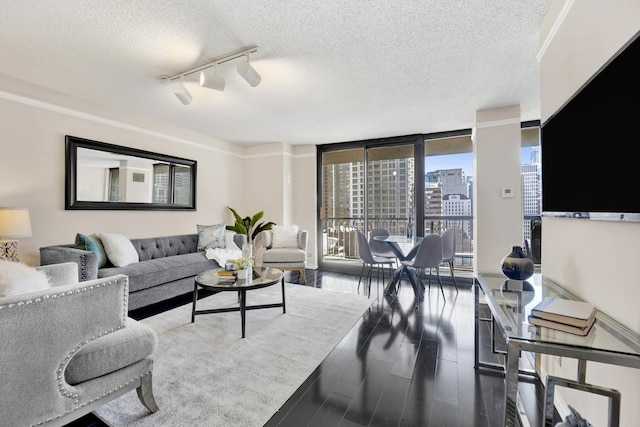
column 531, row 170
column 448, row 175
column 410, row 185
column 341, row 201
column 364, row 185
column 390, row 189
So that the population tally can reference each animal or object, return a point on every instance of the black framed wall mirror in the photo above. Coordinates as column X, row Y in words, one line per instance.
column 101, row 176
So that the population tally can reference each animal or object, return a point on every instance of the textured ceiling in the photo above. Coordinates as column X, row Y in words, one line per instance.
column 332, row 70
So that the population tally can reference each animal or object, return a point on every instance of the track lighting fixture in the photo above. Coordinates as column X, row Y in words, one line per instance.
column 249, row 73
column 177, row 86
column 208, row 76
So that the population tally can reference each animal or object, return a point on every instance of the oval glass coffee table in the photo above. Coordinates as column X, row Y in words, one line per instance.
column 261, row 277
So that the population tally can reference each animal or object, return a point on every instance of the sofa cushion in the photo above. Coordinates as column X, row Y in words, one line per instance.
column 111, row 352
column 283, row 256
column 18, row 278
column 119, row 249
column 94, row 244
column 159, row 271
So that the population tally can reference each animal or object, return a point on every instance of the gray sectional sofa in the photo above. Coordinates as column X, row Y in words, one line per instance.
column 167, row 268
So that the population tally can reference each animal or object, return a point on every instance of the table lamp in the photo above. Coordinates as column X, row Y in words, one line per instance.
column 14, row 223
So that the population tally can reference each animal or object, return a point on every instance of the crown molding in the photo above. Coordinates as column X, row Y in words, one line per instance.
column 109, row 122
column 554, row 29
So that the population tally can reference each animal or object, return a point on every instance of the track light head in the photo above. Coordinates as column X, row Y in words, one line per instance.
column 180, row 91
column 209, row 79
column 249, row 73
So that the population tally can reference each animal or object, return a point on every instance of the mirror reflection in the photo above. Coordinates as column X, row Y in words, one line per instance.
column 105, row 176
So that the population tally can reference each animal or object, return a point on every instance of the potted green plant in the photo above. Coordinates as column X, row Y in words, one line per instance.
column 249, row 226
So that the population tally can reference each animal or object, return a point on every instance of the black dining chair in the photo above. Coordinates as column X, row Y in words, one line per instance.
column 369, row 260
column 429, row 256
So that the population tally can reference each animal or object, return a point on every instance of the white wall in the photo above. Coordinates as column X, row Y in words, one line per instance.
column 130, row 190
column 304, row 200
column 265, row 174
column 496, row 165
column 33, row 125
column 595, row 260
column 282, row 182
column 92, row 183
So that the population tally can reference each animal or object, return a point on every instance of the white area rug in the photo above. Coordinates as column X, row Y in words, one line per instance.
column 205, row 374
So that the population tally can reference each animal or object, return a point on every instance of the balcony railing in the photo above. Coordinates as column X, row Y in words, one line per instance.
column 340, row 241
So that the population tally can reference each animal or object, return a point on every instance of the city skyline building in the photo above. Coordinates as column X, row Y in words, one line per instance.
column 531, row 190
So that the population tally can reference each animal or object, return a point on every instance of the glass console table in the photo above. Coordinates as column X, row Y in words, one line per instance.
column 510, row 303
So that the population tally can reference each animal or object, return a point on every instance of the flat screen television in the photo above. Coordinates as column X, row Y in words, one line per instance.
column 591, row 146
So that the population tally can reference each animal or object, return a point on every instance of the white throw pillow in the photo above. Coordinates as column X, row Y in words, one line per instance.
column 119, row 249
column 18, row 278
column 284, row 236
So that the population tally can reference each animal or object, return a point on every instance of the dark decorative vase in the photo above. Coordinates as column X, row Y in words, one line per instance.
column 517, row 265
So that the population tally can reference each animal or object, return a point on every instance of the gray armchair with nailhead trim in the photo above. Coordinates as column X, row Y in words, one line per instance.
column 67, row 350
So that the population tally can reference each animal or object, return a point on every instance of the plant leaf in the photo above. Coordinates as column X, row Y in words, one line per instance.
column 239, row 229
column 257, row 217
column 247, row 225
column 235, row 214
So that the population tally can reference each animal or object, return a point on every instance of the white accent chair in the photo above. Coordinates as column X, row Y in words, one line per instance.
column 69, row 349
column 292, row 258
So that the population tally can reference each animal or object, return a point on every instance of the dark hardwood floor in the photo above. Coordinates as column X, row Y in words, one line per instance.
column 404, row 364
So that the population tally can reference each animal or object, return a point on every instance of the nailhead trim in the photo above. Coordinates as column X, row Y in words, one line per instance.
column 59, row 372
column 83, row 267
column 96, row 398
column 63, row 294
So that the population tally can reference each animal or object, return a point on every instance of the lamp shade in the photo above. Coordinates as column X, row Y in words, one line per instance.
column 209, row 79
column 249, row 73
column 181, row 92
column 14, row 223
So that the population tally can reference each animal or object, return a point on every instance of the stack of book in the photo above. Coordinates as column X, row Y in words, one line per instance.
column 575, row 317
column 226, row 275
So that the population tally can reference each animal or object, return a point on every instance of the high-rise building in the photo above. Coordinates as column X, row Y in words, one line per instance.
column 531, row 189
column 452, row 181
column 457, row 205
